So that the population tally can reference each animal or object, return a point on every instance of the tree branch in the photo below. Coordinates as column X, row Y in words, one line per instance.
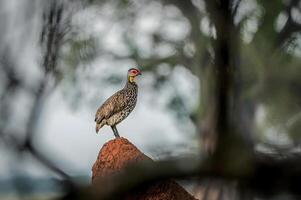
column 268, row 175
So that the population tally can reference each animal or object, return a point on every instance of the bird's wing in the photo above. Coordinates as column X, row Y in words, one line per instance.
column 112, row 105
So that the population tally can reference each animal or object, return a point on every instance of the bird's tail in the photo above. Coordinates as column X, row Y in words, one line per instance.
column 98, row 126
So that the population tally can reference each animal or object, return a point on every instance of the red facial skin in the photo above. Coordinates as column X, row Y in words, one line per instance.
column 134, row 72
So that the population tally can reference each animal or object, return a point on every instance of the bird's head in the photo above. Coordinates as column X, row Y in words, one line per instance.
column 132, row 73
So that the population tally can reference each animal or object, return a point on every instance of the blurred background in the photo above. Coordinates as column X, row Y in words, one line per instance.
column 59, row 61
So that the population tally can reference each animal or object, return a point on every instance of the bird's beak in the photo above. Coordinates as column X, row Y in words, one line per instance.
column 139, row 73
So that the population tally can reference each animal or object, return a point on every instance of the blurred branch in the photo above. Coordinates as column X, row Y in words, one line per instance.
column 235, row 7
column 193, row 15
column 51, row 36
column 172, row 60
column 12, row 79
column 179, row 58
column 220, row 15
column 147, row 172
column 268, row 175
column 35, row 115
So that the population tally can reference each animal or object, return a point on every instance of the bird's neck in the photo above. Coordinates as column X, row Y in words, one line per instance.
column 130, row 82
column 131, row 79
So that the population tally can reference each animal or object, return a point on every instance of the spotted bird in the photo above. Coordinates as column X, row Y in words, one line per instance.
column 116, row 108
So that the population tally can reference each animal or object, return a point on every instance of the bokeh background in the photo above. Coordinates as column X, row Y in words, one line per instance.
column 59, row 60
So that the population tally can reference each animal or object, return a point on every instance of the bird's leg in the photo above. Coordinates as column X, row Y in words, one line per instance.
column 115, row 131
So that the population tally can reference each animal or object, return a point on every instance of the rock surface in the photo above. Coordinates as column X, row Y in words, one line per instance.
column 118, row 153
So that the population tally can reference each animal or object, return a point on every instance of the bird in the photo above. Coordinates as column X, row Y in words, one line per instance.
column 117, row 107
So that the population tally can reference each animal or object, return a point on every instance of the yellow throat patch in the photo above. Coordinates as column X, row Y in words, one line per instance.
column 131, row 79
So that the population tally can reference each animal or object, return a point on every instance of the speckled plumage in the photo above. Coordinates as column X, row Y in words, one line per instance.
column 117, row 107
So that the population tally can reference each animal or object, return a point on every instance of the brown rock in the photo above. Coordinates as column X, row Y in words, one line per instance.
column 118, row 153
